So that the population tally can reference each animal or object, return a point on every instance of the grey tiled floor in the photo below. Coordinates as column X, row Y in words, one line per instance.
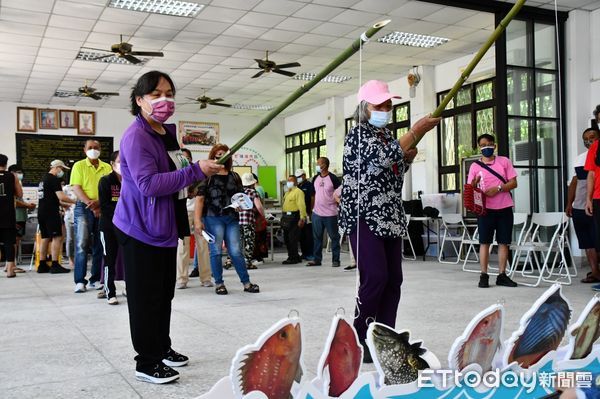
column 57, row 344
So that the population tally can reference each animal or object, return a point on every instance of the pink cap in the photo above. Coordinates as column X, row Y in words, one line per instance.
column 375, row 92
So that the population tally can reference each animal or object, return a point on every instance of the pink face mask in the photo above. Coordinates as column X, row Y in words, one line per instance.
column 162, row 109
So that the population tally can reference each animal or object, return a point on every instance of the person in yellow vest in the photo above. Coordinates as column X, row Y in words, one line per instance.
column 293, row 218
column 85, row 176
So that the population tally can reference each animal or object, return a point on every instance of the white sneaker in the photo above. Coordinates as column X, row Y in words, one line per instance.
column 113, row 300
column 96, row 286
column 79, row 288
column 207, row 284
column 181, row 286
column 257, row 262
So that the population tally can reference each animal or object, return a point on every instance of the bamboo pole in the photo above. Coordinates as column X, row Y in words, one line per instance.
column 354, row 47
column 469, row 68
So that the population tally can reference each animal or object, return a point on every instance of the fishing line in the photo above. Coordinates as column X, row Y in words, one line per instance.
column 358, row 204
column 558, row 62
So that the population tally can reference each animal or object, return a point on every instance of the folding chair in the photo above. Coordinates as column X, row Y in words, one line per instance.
column 471, row 242
column 406, row 237
column 455, row 231
column 537, row 250
column 560, row 258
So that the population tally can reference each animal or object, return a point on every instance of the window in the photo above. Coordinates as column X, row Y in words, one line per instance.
column 400, row 120
column 471, row 113
column 303, row 149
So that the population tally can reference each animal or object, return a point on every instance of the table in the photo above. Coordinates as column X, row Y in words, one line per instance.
column 274, row 223
column 428, row 221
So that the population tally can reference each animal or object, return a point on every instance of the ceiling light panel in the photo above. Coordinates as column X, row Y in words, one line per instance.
column 166, row 7
column 326, row 79
column 112, row 59
column 413, row 39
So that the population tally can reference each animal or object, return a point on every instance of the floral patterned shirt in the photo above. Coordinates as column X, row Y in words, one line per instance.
column 374, row 167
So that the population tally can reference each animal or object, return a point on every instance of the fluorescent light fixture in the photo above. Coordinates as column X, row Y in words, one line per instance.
column 85, row 55
column 72, row 93
column 413, row 39
column 326, row 79
column 252, row 107
column 166, row 7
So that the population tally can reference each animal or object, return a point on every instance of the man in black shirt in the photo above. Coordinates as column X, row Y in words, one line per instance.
column 50, row 195
column 306, row 237
column 10, row 187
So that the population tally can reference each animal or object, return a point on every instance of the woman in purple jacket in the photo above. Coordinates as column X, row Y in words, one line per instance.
column 149, row 218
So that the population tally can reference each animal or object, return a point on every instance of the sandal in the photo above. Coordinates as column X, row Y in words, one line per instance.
column 590, row 278
column 251, row 267
column 221, row 290
column 252, row 288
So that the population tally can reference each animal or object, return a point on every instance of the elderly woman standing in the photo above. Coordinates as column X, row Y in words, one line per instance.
column 371, row 208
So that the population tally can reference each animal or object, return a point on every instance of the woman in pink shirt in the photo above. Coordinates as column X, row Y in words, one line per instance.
column 495, row 176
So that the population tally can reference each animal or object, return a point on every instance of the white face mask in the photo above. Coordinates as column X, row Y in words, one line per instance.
column 290, row 185
column 60, row 174
column 300, row 180
column 92, row 154
column 117, row 168
column 20, row 176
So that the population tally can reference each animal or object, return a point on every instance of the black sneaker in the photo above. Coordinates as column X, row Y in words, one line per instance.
column 349, row 268
column 43, row 268
column 174, row 359
column 289, row 261
column 505, row 281
column 195, row 273
column 367, row 358
column 335, row 264
column 157, row 374
column 56, row 269
column 484, row 280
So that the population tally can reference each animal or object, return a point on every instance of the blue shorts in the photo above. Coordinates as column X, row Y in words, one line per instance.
column 584, row 228
column 499, row 221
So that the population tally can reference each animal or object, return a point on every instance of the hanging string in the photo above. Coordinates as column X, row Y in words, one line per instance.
column 358, row 193
column 558, row 61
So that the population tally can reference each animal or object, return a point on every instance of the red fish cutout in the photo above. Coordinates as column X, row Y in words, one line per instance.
column 343, row 358
column 273, row 368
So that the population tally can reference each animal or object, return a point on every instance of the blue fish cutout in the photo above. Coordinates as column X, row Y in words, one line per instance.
column 544, row 331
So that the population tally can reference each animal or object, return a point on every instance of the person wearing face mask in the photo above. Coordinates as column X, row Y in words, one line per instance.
column 583, row 224
column 213, row 215
column 85, row 177
column 496, row 177
column 374, row 165
column 293, row 219
column 21, row 211
column 306, row 234
column 50, row 195
column 109, row 191
column 11, row 188
column 149, row 219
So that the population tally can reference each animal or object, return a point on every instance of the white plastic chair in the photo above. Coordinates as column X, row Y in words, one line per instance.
column 455, row 231
column 406, row 237
column 560, row 258
column 537, row 251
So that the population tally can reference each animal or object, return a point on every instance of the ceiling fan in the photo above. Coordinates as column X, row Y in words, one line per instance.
column 271, row 66
column 85, row 91
column 124, row 50
column 205, row 101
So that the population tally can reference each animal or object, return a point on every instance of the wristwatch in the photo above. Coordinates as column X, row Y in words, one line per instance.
column 500, row 188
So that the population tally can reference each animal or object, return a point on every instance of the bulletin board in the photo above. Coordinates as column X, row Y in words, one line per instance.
column 267, row 178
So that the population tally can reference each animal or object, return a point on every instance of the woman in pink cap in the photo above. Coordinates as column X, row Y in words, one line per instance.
column 371, row 208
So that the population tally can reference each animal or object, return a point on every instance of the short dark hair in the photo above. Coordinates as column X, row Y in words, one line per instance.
column 591, row 129
column 325, row 161
column 91, row 140
column 114, row 156
column 14, row 168
column 188, row 152
column 487, row 136
column 3, row 160
column 596, row 111
column 221, row 147
column 145, row 85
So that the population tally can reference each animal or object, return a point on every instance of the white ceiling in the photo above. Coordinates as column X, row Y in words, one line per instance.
column 39, row 40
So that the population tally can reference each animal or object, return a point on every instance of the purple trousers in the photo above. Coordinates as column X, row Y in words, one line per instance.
column 379, row 263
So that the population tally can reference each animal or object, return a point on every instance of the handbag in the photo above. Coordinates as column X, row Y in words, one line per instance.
column 474, row 199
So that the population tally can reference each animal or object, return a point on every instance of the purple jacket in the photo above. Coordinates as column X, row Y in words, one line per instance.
column 146, row 210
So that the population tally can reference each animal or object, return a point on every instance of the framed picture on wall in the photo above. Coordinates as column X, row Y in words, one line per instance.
column 68, row 119
column 86, row 123
column 26, row 119
column 198, row 136
column 48, row 118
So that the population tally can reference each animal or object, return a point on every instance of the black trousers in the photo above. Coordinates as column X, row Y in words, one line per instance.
column 306, row 240
column 111, row 249
column 596, row 215
column 291, row 234
column 150, row 276
column 8, row 237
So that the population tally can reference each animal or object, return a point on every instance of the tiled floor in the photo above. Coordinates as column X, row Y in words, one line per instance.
column 57, row 344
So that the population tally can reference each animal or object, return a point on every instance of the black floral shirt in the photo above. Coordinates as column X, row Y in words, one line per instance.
column 374, row 167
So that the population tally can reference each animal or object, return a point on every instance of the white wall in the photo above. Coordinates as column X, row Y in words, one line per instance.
column 269, row 143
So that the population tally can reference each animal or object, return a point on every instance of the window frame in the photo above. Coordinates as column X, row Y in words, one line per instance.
column 318, row 139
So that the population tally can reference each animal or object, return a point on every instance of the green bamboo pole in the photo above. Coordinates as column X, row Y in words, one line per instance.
column 354, row 47
column 469, row 68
